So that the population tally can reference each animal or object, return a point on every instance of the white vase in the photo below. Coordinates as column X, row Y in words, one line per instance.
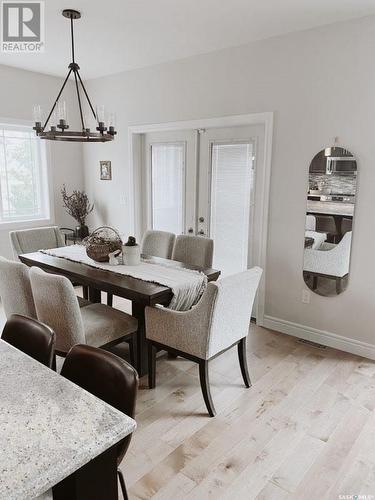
column 131, row 256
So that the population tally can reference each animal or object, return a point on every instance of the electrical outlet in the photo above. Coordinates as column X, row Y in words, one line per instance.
column 306, row 296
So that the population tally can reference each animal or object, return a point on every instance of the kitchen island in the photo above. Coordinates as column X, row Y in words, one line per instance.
column 54, row 434
column 330, row 208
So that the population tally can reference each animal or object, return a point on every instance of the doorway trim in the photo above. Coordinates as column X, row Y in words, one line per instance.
column 135, row 172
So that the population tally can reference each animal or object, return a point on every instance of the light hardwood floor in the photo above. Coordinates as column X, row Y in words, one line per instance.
column 305, row 430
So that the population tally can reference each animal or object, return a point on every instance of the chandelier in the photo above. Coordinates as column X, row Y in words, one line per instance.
column 59, row 130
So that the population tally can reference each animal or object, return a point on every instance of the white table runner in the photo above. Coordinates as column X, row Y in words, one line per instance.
column 187, row 285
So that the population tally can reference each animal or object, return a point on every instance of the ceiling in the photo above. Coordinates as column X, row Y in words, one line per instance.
column 120, row 35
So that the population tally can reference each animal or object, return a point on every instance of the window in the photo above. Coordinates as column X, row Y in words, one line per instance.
column 231, row 194
column 23, row 175
column 168, row 185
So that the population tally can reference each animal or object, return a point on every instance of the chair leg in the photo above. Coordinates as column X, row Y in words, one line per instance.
column 205, row 386
column 109, row 299
column 241, row 346
column 133, row 350
column 338, row 285
column 315, row 283
column 151, row 365
column 122, row 484
column 85, row 292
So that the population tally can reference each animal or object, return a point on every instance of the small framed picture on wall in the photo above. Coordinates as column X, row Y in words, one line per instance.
column 105, row 171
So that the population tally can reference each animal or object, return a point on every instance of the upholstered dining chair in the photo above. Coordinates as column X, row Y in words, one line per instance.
column 158, row 243
column 220, row 320
column 109, row 378
column 15, row 289
column 31, row 337
column 194, row 250
column 330, row 261
column 32, row 240
column 97, row 325
column 310, row 223
column 39, row 238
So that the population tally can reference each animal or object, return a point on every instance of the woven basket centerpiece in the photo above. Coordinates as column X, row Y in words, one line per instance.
column 101, row 242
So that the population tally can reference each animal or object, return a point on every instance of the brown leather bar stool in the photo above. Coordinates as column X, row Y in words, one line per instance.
column 327, row 224
column 31, row 337
column 346, row 225
column 109, row 378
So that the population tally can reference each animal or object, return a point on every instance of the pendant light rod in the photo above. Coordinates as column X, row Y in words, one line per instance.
column 72, row 37
column 57, row 99
column 79, row 101
column 87, row 96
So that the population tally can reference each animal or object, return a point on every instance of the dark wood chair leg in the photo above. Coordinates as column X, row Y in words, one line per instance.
column 133, row 350
column 151, row 365
column 122, row 484
column 205, row 386
column 315, row 282
column 241, row 346
column 109, row 299
column 85, row 292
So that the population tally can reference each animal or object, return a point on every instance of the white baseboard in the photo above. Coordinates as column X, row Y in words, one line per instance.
column 320, row 337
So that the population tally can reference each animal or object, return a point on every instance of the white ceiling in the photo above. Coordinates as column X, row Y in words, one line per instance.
column 118, row 35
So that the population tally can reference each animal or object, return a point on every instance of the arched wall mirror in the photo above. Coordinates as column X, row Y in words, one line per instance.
column 330, row 210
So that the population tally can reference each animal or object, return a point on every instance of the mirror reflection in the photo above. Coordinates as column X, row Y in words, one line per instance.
column 331, row 199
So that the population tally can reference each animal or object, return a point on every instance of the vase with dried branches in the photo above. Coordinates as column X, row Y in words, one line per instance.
column 79, row 207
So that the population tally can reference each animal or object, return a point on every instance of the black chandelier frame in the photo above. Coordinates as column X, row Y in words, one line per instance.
column 60, row 132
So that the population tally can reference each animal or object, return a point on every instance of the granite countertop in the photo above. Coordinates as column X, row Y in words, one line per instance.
column 49, row 427
column 330, row 208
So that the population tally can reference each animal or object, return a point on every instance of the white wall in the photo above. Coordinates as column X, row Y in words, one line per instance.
column 19, row 91
column 320, row 84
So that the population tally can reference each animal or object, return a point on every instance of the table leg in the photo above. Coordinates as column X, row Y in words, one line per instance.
column 95, row 295
column 94, row 481
column 138, row 311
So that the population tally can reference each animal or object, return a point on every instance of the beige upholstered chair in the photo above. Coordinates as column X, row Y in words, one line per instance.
column 32, row 240
column 219, row 321
column 15, row 289
column 158, row 243
column 97, row 325
column 194, row 250
column 41, row 238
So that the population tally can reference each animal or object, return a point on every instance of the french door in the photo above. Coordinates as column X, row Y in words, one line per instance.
column 203, row 182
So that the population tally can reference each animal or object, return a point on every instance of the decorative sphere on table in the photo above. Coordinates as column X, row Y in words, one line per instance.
column 101, row 242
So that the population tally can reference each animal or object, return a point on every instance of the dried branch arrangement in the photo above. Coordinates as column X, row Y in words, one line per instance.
column 77, row 205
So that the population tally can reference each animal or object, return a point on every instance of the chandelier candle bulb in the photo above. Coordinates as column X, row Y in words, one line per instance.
column 37, row 113
column 100, row 113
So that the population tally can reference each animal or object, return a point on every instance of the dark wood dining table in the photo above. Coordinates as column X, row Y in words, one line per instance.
column 140, row 293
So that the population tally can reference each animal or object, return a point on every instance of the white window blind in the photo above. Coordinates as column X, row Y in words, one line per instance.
column 168, row 186
column 23, row 179
column 231, row 191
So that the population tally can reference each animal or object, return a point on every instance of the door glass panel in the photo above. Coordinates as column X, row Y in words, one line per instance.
column 168, row 186
column 232, row 178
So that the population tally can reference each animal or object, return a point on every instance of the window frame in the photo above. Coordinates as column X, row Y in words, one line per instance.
column 47, row 213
